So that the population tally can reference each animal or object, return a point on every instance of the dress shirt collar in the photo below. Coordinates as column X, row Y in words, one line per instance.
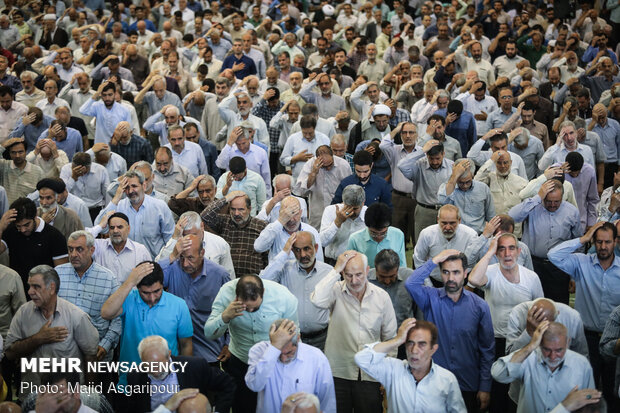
column 444, row 165
column 27, row 168
column 595, row 261
column 444, row 295
column 128, row 246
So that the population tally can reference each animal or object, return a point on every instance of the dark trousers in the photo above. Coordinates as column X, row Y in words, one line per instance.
column 245, row 399
column 554, row 281
column 94, row 211
column 499, row 391
column 610, row 170
column 315, row 339
column 11, row 375
column 471, row 401
column 274, row 164
column 604, row 371
column 403, row 215
column 357, row 396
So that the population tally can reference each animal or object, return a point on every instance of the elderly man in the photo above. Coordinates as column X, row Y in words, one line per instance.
column 18, row 176
column 235, row 109
column 473, row 198
column 454, row 307
column 185, row 153
column 196, row 375
column 30, row 94
column 341, row 220
column 428, row 169
column 597, row 279
column 274, row 236
column 119, row 253
column 565, row 144
column 438, row 393
column 239, row 229
column 246, row 307
column 498, row 141
column 131, row 147
column 87, row 180
column 66, row 69
column 448, row 233
column 300, row 146
column 146, row 309
column 272, row 362
column 114, row 164
column 204, row 186
column 88, row 285
column 547, row 222
column 239, row 178
column 348, row 330
column 240, row 144
column 160, row 123
column 156, row 99
column 150, row 218
column 549, row 371
column 49, row 326
column 300, row 275
column 63, row 219
column 319, row 179
column 169, row 177
column 108, row 113
column 282, row 187
column 328, row 103
column 609, row 132
column 51, row 101
column 188, row 274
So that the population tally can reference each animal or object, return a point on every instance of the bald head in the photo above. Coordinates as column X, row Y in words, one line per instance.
column 196, row 247
column 10, row 407
column 197, row 404
column 290, row 201
column 548, row 308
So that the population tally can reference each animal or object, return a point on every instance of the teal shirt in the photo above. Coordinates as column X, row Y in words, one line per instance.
column 362, row 242
column 250, row 328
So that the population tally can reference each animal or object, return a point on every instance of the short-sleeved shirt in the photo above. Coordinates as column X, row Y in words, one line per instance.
column 43, row 246
column 168, row 318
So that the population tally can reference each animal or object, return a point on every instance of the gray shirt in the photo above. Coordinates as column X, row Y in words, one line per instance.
column 426, row 180
column 401, row 299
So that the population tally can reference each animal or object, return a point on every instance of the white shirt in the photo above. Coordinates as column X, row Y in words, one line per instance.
column 479, row 157
column 49, row 109
column 121, row 264
column 476, row 107
column 275, row 211
column 91, row 188
column 116, row 166
column 297, row 143
column 431, row 242
column 8, row 118
column 192, row 157
column 502, row 295
column 335, row 239
column 274, row 236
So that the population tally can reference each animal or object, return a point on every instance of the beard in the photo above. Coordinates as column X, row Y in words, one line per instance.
column 49, row 208
column 448, row 234
column 452, row 287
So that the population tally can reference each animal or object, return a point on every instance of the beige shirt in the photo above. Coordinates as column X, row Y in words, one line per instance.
column 353, row 324
column 82, row 340
column 30, row 100
column 51, row 168
column 540, row 131
column 11, row 297
column 374, row 71
column 18, row 182
column 8, row 118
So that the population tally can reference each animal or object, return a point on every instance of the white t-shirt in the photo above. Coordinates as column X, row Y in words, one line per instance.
column 502, row 295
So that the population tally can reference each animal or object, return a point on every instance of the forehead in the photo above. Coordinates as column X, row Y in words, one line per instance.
column 506, row 241
column 447, row 216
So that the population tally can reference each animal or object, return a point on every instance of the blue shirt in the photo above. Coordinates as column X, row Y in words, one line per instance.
column 610, row 136
column 543, row 230
column 155, row 104
column 498, row 118
column 190, row 157
column 255, row 159
column 475, row 204
column 362, row 241
column 72, row 144
column 250, row 328
column 463, row 129
column 248, row 70
column 151, row 225
column 210, row 152
column 220, row 49
column 376, row 190
column 31, row 132
column 199, row 294
column 598, row 290
column 107, row 119
column 168, row 318
column 89, row 292
column 466, row 336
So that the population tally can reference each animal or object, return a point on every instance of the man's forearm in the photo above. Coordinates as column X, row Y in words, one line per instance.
column 23, row 347
column 387, row 346
column 522, row 354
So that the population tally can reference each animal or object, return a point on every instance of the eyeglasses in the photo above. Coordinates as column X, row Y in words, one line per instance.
column 378, row 234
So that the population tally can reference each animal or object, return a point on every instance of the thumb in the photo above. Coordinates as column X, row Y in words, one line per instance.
column 337, row 209
column 574, row 389
column 272, row 329
column 49, row 322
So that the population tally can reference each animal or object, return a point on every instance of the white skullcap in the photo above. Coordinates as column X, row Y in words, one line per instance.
column 382, row 110
column 49, row 16
column 328, row 10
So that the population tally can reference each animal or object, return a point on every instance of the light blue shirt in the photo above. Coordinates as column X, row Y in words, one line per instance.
column 437, row 392
column 286, row 271
column 31, row 132
column 297, row 143
column 91, row 187
column 543, row 230
column 155, row 104
column 190, row 157
column 116, row 166
column 121, row 264
column 250, row 328
column 89, row 292
column 426, row 180
column 72, row 144
column 541, row 389
column 362, row 241
column 156, row 124
column 252, row 184
column 531, row 154
column 274, row 237
column 557, row 154
column 151, row 225
column 255, row 160
column 107, row 119
column 610, row 136
column 598, row 290
column 498, row 118
column 480, row 157
column 274, row 381
column 475, row 204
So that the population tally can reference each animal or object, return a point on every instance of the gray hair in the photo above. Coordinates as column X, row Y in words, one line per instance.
column 28, row 73
column 135, row 174
column 417, row 67
column 149, row 341
column 174, row 109
column 308, row 233
column 242, row 94
column 207, row 179
column 353, row 195
column 510, row 235
column 387, row 259
column 443, row 94
column 90, row 240
column 431, row 87
column 174, row 128
column 470, row 170
column 193, row 220
column 308, row 401
column 222, row 80
column 579, row 123
column 567, row 124
column 338, row 138
column 281, row 176
column 295, row 338
column 49, row 275
column 142, row 165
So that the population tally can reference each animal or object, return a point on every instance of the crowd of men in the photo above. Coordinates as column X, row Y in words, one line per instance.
column 402, row 206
